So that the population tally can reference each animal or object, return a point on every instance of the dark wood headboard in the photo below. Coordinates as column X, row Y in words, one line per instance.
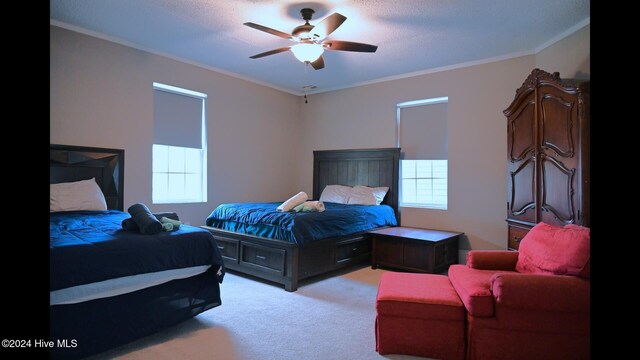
column 69, row 163
column 370, row 167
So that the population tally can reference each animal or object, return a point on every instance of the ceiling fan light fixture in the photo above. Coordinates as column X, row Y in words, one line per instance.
column 310, row 39
column 307, row 52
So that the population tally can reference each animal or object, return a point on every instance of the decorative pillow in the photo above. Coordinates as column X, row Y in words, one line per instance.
column 364, row 195
column 78, row 195
column 335, row 194
column 548, row 249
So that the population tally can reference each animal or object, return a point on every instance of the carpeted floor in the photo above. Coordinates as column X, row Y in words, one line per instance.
column 327, row 318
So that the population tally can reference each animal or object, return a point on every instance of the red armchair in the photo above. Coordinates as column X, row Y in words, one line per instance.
column 518, row 307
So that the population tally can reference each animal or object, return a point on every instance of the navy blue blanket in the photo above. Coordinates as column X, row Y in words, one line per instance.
column 90, row 246
column 262, row 219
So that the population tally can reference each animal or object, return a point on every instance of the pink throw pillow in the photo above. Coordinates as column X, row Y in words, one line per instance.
column 548, row 249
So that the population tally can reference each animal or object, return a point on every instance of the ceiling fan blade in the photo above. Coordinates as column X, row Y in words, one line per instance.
column 327, row 26
column 269, row 30
column 348, row 46
column 270, row 52
column 319, row 63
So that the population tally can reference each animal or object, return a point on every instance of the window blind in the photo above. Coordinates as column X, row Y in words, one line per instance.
column 177, row 119
column 423, row 131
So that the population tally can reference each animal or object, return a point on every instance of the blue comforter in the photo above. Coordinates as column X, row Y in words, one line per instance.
column 262, row 219
column 90, row 246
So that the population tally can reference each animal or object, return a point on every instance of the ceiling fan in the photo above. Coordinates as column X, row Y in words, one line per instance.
column 310, row 39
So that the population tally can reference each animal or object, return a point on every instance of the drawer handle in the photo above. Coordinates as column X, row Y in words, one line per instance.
column 355, row 249
column 261, row 257
column 517, row 239
column 220, row 247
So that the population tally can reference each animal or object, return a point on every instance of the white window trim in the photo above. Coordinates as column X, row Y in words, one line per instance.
column 424, row 206
column 179, row 91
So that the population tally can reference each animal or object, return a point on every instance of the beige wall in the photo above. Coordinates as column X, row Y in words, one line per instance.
column 101, row 95
column 571, row 56
column 364, row 117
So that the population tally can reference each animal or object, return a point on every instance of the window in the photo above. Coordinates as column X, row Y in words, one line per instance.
column 179, row 145
column 424, row 183
column 421, row 129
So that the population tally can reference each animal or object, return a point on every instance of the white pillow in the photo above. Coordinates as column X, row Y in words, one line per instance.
column 364, row 195
column 78, row 195
column 335, row 194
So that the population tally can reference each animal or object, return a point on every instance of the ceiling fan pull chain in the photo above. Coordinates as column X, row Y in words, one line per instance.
column 306, row 79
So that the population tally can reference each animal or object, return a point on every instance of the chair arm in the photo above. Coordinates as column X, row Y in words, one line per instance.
column 541, row 292
column 492, row 260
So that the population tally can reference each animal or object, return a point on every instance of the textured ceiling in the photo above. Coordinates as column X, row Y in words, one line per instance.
column 412, row 35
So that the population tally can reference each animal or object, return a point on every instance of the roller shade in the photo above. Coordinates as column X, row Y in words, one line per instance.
column 423, row 132
column 177, row 119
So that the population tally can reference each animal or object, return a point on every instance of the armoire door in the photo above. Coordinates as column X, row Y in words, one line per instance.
column 521, row 164
column 558, row 158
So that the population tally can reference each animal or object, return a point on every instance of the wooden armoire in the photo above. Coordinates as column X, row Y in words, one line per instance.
column 547, row 154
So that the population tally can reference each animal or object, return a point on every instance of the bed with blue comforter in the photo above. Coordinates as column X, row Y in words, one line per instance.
column 285, row 247
column 90, row 247
column 262, row 219
column 109, row 287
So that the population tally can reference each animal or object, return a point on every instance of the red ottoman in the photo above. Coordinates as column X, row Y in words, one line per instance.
column 419, row 314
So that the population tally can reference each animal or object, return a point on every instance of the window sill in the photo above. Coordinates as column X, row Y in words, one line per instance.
column 422, row 206
column 178, row 202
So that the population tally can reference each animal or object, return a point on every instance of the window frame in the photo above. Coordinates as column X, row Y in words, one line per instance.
column 202, row 151
column 409, row 104
column 427, row 205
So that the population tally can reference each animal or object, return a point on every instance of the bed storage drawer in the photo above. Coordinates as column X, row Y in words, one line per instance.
column 228, row 248
column 262, row 257
column 353, row 249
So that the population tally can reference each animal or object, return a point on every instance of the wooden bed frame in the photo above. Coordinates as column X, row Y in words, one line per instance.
column 287, row 263
column 105, row 323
